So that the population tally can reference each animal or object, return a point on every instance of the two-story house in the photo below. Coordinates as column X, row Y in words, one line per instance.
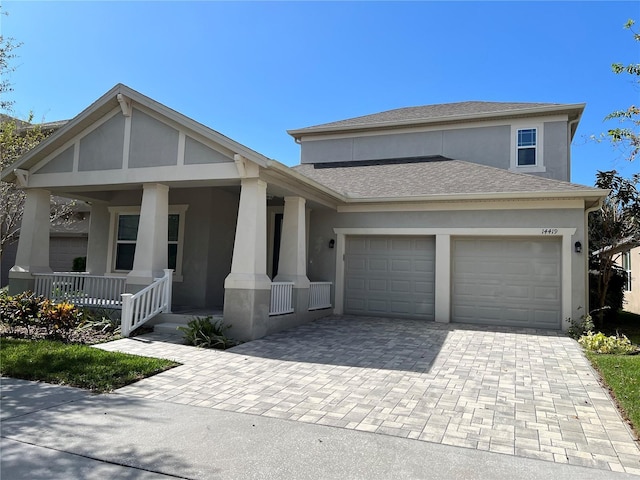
column 449, row 213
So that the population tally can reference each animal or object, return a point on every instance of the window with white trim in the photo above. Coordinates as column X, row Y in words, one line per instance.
column 125, row 222
column 626, row 266
column 527, row 147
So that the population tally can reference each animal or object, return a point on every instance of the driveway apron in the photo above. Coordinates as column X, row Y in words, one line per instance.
column 530, row 393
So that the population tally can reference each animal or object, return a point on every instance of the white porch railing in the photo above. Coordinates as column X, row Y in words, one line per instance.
column 319, row 295
column 281, row 298
column 80, row 288
column 140, row 307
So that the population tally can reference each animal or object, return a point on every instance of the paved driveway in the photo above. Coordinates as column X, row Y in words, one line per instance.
column 514, row 391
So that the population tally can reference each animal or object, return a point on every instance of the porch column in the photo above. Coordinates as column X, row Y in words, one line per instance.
column 32, row 255
column 292, row 263
column 152, row 241
column 98, row 244
column 248, row 288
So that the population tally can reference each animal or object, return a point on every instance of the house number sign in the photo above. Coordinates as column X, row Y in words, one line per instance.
column 549, row 231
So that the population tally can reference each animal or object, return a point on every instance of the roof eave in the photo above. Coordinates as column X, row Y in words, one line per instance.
column 578, row 108
column 587, row 195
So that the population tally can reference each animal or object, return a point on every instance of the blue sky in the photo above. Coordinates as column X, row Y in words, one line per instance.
column 253, row 70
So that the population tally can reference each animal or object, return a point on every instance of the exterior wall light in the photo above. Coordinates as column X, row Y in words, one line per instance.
column 578, row 247
column 332, row 243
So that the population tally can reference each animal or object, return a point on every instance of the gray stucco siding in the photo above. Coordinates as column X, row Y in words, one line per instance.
column 153, row 143
column 102, row 148
column 484, row 145
column 487, row 145
column 397, row 145
column 61, row 163
column 555, row 151
column 196, row 153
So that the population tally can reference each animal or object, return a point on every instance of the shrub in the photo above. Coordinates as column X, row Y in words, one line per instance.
column 203, row 332
column 600, row 343
column 79, row 264
column 21, row 311
column 29, row 315
column 580, row 327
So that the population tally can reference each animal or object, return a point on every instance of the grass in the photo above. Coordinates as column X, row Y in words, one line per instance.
column 622, row 374
column 75, row 365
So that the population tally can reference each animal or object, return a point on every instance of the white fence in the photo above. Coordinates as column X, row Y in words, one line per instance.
column 140, row 307
column 80, row 288
column 281, row 298
column 319, row 295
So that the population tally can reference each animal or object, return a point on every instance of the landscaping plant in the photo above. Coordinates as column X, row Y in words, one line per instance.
column 205, row 333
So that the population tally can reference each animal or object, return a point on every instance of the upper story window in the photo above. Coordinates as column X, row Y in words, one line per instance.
column 527, row 148
column 626, row 266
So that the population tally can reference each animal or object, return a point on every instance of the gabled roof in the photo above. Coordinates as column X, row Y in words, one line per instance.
column 107, row 103
column 441, row 113
column 433, row 177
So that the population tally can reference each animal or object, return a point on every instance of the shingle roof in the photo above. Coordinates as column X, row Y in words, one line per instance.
column 430, row 113
column 427, row 176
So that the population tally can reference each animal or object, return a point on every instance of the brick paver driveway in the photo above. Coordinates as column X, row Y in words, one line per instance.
column 514, row 391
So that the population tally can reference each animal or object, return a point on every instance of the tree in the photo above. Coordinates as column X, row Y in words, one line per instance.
column 613, row 229
column 627, row 136
column 17, row 138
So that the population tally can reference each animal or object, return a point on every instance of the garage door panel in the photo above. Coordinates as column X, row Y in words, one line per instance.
column 378, row 265
column 398, row 275
column 400, row 265
column 507, row 281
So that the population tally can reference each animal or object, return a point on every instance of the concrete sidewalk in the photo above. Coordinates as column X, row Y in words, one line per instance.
column 59, row 432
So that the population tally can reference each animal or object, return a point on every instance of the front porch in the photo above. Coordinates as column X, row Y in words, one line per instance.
column 94, row 291
column 168, row 193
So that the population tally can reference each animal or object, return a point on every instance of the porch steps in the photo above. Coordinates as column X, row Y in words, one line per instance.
column 168, row 323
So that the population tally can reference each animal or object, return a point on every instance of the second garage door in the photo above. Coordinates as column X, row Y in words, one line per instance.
column 390, row 276
column 514, row 281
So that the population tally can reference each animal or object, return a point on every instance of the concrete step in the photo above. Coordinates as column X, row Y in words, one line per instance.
column 169, row 328
column 169, row 322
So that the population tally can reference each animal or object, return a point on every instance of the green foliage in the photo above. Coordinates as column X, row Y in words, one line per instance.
column 79, row 264
column 611, row 229
column 203, row 332
column 601, row 343
column 622, row 374
column 580, row 327
column 627, row 137
column 26, row 313
column 75, row 365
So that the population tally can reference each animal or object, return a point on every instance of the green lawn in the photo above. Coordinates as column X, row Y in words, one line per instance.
column 622, row 372
column 622, row 375
column 75, row 365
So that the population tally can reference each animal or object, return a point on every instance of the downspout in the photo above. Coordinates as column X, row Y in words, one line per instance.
column 588, row 210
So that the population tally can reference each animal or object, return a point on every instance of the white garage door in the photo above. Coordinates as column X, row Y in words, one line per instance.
column 390, row 276
column 513, row 282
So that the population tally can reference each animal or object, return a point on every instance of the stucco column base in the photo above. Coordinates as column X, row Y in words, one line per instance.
column 301, row 301
column 21, row 284
column 247, row 312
